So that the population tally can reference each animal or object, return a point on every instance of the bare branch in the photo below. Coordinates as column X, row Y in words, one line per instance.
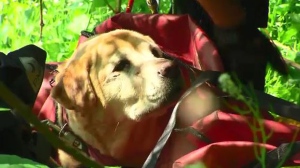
column 41, row 19
column 292, row 63
column 110, row 7
column 118, row 6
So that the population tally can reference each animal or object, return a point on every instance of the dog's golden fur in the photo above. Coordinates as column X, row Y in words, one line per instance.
column 117, row 88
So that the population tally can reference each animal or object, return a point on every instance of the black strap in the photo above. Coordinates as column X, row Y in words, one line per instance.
column 194, row 132
column 152, row 158
column 87, row 33
column 276, row 105
column 278, row 156
column 22, row 71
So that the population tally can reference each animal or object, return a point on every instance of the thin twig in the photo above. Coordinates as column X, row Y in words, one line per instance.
column 7, row 96
column 173, row 7
column 41, row 20
column 292, row 63
column 110, row 7
column 118, row 6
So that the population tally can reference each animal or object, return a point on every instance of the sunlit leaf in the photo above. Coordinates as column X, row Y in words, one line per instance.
column 11, row 161
column 287, row 35
column 102, row 3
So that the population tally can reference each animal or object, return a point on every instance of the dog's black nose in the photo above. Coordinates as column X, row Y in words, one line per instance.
column 168, row 69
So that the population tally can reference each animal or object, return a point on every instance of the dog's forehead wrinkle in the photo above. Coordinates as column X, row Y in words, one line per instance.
column 127, row 34
column 133, row 42
column 107, row 48
column 117, row 56
column 129, row 47
column 95, row 82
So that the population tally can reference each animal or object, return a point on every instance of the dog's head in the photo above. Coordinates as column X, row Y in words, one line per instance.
column 123, row 72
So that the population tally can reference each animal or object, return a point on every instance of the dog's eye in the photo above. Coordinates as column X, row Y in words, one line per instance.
column 121, row 65
column 155, row 53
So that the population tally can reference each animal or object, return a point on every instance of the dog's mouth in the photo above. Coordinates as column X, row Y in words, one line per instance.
column 170, row 89
column 170, row 82
column 169, row 97
column 163, row 92
column 166, row 97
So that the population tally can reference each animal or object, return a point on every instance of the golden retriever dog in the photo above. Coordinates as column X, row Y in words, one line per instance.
column 117, row 88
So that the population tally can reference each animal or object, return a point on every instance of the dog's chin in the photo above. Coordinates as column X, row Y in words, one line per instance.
column 155, row 107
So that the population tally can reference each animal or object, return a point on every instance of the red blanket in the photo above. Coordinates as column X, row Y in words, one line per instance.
column 233, row 139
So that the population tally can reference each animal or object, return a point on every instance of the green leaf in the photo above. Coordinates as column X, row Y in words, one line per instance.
column 3, row 109
column 283, row 8
column 295, row 18
column 297, row 57
column 12, row 161
column 78, row 24
column 28, row 13
column 288, row 35
column 102, row 3
column 196, row 165
column 295, row 75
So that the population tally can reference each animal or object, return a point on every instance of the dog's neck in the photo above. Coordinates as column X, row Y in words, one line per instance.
column 117, row 138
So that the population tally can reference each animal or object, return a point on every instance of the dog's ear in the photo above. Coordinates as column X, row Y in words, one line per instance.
column 73, row 87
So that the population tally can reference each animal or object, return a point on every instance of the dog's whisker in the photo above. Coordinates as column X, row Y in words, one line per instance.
column 116, row 127
column 167, row 56
column 182, row 64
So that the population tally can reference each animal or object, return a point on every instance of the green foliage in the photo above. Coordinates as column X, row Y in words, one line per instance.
column 284, row 29
column 11, row 161
column 196, row 165
column 65, row 19
column 3, row 109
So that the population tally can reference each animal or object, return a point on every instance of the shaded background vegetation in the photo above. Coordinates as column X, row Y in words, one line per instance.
column 64, row 19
